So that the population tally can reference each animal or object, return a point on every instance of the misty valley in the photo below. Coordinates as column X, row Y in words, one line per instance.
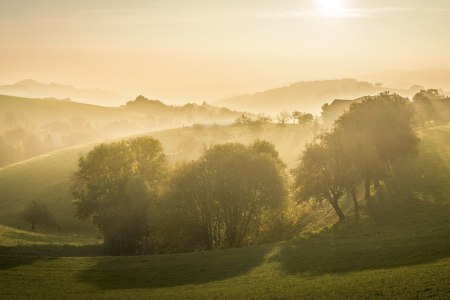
column 225, row 150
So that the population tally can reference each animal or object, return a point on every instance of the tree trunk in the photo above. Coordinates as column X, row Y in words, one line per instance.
column 32, row 226
column 376, row 183
column 355, row 201
column 337, row 209
column 367, row 188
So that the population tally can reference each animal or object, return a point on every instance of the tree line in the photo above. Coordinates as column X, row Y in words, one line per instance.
column 234, row 194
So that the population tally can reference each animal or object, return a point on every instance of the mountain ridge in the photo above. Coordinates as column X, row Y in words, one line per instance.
column 31, row 88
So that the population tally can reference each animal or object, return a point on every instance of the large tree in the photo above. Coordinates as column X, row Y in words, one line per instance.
column 220, row 198
column 381, row 128
column 321, row 174
column 115, row 187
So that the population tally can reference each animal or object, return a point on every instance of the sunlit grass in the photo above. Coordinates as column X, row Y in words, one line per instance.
column 399, row 248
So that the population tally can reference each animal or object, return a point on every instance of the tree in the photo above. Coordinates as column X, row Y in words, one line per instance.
column 296, row 115
column 220, row 198
column 320, row 176
column 115, row 187
column 305, row 118
column 381, row 129
column 242, row 120
column 344, row 147
column 301, row 117
column 283, row 117
column 38, row 214
column 424, row 102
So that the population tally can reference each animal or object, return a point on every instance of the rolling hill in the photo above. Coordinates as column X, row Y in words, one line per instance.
column 400, row 249
column 47, row 178
column 307, row 96
column 429, row 78
column 34, row 89
column 30, row 127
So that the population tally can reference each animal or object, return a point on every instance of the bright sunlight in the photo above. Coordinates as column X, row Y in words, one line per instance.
column 331, row 8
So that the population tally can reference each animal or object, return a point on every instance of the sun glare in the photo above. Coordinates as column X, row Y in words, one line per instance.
column 331, row 7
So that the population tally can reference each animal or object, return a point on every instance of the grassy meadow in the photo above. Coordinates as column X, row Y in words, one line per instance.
column 398, row 248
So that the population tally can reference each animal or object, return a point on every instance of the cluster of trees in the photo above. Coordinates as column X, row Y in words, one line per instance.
column 360, row 149
column 296, row 116
column 236, row 194
column 115, row 187
column 282, row 118
column 219, row 200
column 432, row 106
column 223, row 198
column 190, row 113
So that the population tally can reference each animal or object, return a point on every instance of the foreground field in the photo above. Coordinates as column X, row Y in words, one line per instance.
column 399, row 249
column 393, row 259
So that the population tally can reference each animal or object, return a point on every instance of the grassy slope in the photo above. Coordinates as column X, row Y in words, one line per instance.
column 11, row 237
column 46, row 110
column 48, row 178
column 400, row 249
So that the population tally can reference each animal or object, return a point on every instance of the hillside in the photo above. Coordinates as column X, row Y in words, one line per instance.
column 141, row 111
column 429, row 78
column 30, row 127
column 399, row 249
column 47, row 178
column 307, row 96
column 34, row 89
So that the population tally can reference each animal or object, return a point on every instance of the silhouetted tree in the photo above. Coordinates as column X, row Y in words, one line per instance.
column 38, row 214
column 296, row 115
column 283, row 117
column 320, row 174
column 305, row 118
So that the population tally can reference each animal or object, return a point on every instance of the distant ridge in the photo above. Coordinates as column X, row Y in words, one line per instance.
column 34, row 89
column 308, row 96
column 430, row 78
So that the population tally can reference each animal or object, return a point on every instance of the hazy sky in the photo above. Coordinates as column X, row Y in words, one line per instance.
column 182, row 50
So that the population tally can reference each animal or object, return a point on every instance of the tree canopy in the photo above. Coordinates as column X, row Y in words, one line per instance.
column 220, row 198
column 362, row 146
column 115, row 186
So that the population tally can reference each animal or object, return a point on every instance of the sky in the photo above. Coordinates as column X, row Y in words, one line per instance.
column 195, row 50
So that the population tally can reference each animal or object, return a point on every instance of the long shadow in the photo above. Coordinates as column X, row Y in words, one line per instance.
column 407, row 223
column 52, row 250
column 376, row 247
column 173, row 270
column 8, row 262
column 14, row 256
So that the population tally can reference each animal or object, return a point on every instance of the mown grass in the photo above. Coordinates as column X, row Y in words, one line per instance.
column 398, row 249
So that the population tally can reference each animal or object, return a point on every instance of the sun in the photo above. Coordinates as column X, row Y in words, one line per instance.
column 331, row 7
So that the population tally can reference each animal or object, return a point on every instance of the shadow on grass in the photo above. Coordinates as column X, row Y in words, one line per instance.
column 353, row 249
column 8, row 262
column 13, row 256
column 50, row 250
column 157, row 271
column 407, row 223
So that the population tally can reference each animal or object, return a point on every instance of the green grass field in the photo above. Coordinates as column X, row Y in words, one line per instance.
column 402, row 257
column 398, row 249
